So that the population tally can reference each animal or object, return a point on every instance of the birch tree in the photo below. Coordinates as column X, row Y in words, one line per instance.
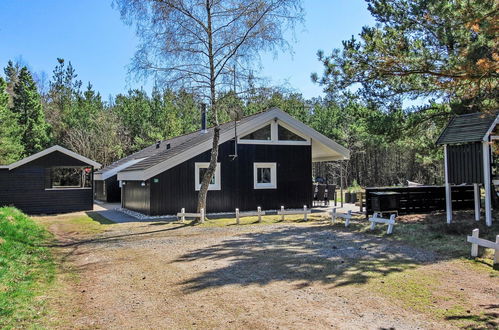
column 206, row 45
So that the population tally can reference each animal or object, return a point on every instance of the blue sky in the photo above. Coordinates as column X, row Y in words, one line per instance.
column 91, row 35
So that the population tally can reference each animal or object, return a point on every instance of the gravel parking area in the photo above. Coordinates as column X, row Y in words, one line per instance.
column 299, row 275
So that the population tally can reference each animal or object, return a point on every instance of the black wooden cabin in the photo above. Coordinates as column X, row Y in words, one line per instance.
column 55, row 180
column 265, row 160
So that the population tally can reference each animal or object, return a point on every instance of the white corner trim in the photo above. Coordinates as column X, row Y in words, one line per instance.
column 216, row 186
column 273, row 176
column 491, row 129
column 53, row 149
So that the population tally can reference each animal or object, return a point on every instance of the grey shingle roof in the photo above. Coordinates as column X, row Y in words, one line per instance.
column 148, row 151
column 183, row 143
column 467, row 128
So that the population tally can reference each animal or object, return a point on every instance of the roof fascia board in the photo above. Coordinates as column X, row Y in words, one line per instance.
column 491, row 128
column 50, row 150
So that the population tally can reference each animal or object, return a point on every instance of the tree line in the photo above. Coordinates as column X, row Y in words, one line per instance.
column 441, row 55
column 384, row 151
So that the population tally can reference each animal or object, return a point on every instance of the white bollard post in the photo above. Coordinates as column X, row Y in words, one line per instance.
column 474, row 246
column 347, row 220
column 259, row 210
column 373, row 223
column 333, row 216
column 390, row 225
column 237, row 216
column 496, row 252
column 282, row 210
column 202, row 215
column 183, row 214
column 477, row 201
column 304, row 212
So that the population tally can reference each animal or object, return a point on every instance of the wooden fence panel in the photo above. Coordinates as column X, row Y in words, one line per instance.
column 425, row 199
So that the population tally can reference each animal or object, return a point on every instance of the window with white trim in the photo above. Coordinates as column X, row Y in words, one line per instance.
column 264, row 175
column 199, row 171
column 262, row 134
column 68, row 177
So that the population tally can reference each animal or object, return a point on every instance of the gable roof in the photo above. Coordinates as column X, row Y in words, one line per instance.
column 140, row 155
column 48, row 151
column 198, row 142
column 468, row 128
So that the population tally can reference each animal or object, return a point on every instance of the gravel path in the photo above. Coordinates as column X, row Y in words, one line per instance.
column 157, row 275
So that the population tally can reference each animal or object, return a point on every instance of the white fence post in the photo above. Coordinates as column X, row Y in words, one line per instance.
column 333, row 216
column 373, row 224
column 496, row 252
column 347, row 219
column 202, row 215
column 305, row 212
column 237, row 216
column 474, row 247
column 477, row 201
column 282, row 209
column 390, row 225
column 183, row 214
column 259, row 211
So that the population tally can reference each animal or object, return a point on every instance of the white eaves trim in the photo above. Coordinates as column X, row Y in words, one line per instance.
column 109, row 173
column 51, row 150
column 491, row 128
column 142, row 175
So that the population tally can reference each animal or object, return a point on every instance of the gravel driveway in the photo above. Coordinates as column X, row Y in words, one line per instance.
column 299, row 276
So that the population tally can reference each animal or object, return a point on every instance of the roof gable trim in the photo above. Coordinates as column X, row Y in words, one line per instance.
column 49, row 151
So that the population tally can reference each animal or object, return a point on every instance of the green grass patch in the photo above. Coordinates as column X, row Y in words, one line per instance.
column 426, row 293
column 26, row 269
column 88, row 223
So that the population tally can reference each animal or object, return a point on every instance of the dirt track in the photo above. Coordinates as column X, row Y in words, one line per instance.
column 297, row 276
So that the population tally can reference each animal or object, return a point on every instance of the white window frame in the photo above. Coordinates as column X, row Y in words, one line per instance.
column 274, row 135
column 216, row 186
column 273, row 176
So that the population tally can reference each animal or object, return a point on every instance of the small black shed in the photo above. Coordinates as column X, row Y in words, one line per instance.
column 55, row 180
column 468, row 142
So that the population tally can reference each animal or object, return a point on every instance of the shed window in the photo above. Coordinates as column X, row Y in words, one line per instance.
column 200, row 170
column 262, row 134
column 70, row 177
column 285, row 134
column 265, row 175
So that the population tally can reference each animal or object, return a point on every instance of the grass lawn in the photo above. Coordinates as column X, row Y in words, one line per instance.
column 26, row 269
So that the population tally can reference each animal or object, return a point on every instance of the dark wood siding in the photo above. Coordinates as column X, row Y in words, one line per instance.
column 108, row 190
column 24, row 188
column 425, row 199
column 175, row 188
column 465, row 163
column 136, row 197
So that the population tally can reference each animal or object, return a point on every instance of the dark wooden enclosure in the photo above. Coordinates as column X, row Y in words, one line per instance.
column 27, row 187
column 424, row 199
column 108, row 190
column 465, row 163
column 174, row 189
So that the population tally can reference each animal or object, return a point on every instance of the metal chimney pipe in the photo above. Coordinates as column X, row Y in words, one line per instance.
column 203, row 118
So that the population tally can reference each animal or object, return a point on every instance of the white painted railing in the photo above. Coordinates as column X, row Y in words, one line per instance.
column 259, row 213
column 377, row 219
column 347, row 216
column 182, row 214
column 284, row 212
column 476, row 241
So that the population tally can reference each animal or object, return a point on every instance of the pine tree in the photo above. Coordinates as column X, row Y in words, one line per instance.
column 11, row 148
column 27, row 107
